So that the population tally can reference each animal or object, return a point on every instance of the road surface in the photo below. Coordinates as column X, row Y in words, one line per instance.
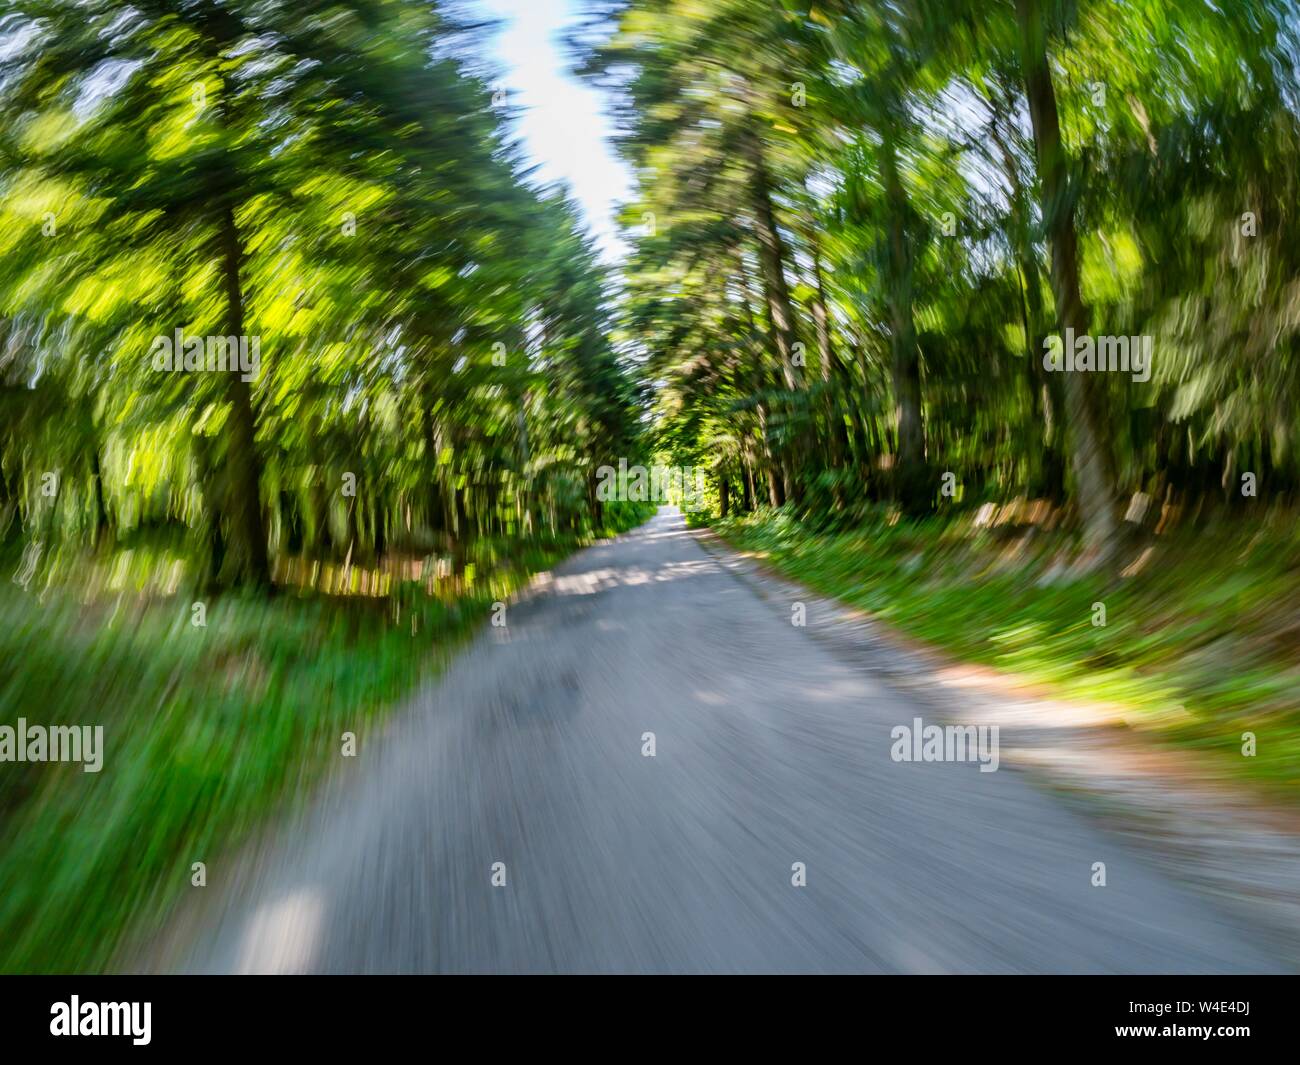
column 525, row 764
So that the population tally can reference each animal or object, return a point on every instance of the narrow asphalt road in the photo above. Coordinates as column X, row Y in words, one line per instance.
column 769, row 751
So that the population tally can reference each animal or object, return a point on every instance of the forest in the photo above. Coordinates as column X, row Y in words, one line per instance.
column 863, row 229
column 975, row 313
column 329, row 181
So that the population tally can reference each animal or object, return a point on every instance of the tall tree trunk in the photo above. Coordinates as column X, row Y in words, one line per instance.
column 911, row 477
column 1046, row 393
column 837, row 437
column 1089, row 448
column 771, row 254
column 379, row 524
column 97, row 482
column 460, row 515
column 776, row 290
column 441, row 518
column 773, row 487
column 8, row 497
column 243, row 465
column 210, row 489
column 354, row 528
column 789, row 484
column 247, row 559
column 775, row 493
column 291, row 518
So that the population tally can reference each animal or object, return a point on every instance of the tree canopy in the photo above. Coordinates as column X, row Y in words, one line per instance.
column 859, row 226
column 336, row 183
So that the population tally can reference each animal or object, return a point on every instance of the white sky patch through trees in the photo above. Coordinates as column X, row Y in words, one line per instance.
column 562, row 121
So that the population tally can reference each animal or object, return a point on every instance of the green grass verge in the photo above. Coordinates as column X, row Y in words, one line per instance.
column 1199, row 647
column 207, row 732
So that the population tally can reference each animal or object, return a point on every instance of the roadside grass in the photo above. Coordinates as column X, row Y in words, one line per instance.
column 1201, row 645
column 208, row 731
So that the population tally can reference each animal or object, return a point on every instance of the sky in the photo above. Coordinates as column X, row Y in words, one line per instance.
column 562, row 121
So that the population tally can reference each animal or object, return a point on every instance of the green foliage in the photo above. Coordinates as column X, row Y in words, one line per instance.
column 333, row 180
column 870, row 182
